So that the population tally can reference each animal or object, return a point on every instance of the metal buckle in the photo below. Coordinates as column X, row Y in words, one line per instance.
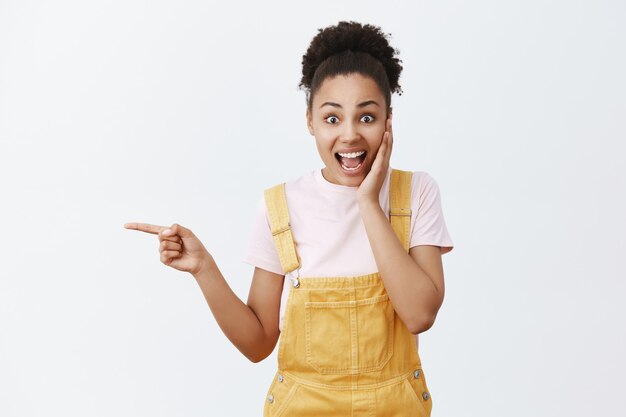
column 296, row 281
column 400, row 212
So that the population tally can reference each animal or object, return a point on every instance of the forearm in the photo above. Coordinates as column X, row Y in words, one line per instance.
column 236, row 319
column 413, row 294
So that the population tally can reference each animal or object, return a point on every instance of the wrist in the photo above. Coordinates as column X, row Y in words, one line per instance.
column 206, row 268
column 368, row 203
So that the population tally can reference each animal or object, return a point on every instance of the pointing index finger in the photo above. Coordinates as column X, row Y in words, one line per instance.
column 145, row 227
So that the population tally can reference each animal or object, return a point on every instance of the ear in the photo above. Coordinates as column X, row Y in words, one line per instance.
column 309, row 122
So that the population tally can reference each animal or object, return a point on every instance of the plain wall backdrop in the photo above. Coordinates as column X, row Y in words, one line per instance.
column 185, row 111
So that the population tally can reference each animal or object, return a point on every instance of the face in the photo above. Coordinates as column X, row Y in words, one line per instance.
column 347, row 118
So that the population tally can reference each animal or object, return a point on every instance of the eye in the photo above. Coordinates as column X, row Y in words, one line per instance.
column 331, row 119
column 368, row 118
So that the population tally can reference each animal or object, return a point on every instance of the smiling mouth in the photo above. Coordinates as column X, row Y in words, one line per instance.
column 350, row 162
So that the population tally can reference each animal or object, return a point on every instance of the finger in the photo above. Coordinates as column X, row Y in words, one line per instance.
column 169, row 234
column 169, row 245
column 167, row 256
column 177, row 229
column 388, row 147
column 145, row 227
column 174, row 238
column 381, row 148
column 389, row 130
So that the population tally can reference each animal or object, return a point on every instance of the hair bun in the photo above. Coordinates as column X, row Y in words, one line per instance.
column 356, row 37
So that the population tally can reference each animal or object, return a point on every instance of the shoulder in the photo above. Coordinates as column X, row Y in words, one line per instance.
column 293, row 187
column 424, row 189
column 421, row 181
column 425, row 193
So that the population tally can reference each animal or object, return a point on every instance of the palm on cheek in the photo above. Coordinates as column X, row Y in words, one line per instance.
column 370, row 187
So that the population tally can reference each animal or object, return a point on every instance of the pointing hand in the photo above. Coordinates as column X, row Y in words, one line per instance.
column 179, row 247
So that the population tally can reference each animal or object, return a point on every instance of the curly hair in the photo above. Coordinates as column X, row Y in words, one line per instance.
column 351, row 47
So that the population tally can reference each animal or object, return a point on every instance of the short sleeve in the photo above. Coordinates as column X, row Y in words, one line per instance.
column 429, row 226
column 260, row 250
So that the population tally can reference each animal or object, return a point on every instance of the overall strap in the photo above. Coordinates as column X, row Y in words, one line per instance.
column 400, row 205
column 276, row 203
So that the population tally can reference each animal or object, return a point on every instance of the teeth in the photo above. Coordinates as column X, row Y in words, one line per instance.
column 352, row 169
column 351, row 154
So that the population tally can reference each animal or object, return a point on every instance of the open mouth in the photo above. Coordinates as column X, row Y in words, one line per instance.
column 352, row 161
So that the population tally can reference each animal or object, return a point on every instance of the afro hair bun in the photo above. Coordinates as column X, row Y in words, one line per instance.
column 356, row 37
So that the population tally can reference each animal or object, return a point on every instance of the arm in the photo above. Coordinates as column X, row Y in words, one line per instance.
column 251, row 327
column 414, row 281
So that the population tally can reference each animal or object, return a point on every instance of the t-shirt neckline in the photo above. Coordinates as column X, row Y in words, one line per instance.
column 338, row 188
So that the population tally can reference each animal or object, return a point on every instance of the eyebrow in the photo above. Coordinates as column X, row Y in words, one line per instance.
column 360, row 105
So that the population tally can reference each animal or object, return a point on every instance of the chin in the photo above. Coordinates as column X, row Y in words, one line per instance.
column 352, row 181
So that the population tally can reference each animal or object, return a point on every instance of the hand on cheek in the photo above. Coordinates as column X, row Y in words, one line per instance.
column 369, row 189
column 389, row 143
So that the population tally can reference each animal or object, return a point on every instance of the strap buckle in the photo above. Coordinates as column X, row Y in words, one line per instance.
column 400, row 212
column 281, row 230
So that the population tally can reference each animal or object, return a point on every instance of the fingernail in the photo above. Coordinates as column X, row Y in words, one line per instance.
column 166, row 232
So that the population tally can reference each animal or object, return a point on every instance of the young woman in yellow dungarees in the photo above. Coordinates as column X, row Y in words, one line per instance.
column 347, row 347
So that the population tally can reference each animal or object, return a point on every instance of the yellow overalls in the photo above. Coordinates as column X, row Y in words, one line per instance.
column 343, row 350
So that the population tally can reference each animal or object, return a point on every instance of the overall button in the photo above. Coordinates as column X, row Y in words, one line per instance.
column 270, row 398
column 425, row 395
column 280, row 378
column 296, row 283
column 416, row 374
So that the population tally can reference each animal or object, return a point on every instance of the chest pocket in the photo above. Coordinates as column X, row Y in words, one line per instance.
column 348, row 337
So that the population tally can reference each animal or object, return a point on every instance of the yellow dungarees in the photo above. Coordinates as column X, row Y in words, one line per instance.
column 343, row 350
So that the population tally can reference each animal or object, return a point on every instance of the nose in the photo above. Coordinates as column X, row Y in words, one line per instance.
column 350, row 132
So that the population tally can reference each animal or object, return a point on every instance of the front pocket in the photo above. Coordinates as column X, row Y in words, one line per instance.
column 418, row 387
column 344, row 337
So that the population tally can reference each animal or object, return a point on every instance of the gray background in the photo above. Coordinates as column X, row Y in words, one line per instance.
column 184, row 111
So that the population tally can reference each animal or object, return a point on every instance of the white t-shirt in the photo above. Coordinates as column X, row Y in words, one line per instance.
column 329, row 233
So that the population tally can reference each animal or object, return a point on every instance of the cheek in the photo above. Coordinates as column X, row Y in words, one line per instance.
column 323, row 131
column 376, row 139
column 324, row 144
column 375, row 153
column 376, row 131
column 324, row 138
